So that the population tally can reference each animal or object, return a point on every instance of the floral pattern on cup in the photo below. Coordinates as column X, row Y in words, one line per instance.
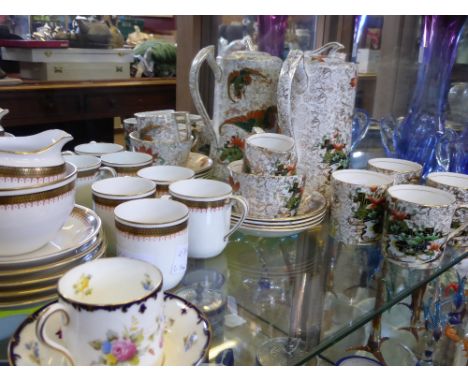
column 357, row 209
column 413, row 233
column 124, row 348
column 268, row 196
column 82, row 285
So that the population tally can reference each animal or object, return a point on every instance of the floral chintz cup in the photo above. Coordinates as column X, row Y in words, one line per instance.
column 113, row 314
column 210, row 204
column 403, row 171
column 358, row 205
column 456, row 184
column 155, row 231
column 270, row 154
column 418, row 225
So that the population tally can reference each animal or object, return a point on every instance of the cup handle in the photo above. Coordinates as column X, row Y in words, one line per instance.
column 245, row 210
column 167, row 197
column 40, row 329
column 460, row 229
column 110, row 170
column 68, row 152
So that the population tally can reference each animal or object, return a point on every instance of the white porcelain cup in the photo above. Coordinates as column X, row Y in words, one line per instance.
column 155, row 231
column 210, row 204
column 403, row 171
column 89, row 171
column 127, row 163
column 163, row 176
column 358, row 205
column 113, row 314
column 98, row 148
column 109, row 193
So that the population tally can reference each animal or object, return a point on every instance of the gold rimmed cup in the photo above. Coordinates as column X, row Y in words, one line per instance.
column 156, row 231
column 109, row 193
column 127, row 163
column 403, row 171
column 418, row 225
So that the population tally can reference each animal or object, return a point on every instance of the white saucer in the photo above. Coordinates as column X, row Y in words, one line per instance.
column 200, row 163
column 186, row 338
column 80, row 228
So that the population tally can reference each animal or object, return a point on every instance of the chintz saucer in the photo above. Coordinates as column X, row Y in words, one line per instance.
column 186, row 337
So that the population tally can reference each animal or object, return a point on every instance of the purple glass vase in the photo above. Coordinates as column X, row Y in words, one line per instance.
column 418, row 136
column 271, row 34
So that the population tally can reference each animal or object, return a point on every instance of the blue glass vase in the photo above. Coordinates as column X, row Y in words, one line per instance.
column 421, row 136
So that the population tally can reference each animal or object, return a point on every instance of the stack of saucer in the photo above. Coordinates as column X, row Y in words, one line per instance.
column 30, row 279
column 311, row 212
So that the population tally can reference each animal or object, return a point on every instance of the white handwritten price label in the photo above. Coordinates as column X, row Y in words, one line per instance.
column 180, row 262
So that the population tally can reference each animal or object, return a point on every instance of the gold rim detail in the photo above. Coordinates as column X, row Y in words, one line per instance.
column 155, row 232
column 29, row 198
column 203, row 205
column 32, row 172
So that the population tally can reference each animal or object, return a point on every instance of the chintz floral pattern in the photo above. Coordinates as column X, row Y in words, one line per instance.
column 268, row 197
column 461, row 214
column 415, row 234
column 357, row 212
column 315, row 105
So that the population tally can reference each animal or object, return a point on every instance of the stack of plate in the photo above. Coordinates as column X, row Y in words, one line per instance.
column 201, row 164
column 311, row 213
column 30, row 279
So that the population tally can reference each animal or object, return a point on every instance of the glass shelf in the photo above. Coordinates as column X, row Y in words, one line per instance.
column 307, row 287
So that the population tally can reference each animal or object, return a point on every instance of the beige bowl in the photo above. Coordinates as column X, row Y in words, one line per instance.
column 30, row 217
column 268, row 196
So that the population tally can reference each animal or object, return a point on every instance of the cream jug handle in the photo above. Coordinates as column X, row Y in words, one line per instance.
column 206, row 54
column 40, row 329
column 288, row 70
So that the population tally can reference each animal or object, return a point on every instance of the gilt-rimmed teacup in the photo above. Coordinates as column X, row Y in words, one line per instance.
column 98, row 148
column 270, row 154
column 113, row 314
column 89, row 170
column 109, row 193
column 268, row 196
column 155, row 231
column 418, row 224
column 210, row 204
column 403, row 171
column 127, row 163
column 358, row 205
column 456, row 184
column 163, row 176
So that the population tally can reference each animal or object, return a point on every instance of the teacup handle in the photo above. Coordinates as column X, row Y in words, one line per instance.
column 68, row 152
column 110, row 170
column 245, row 210
column 40, row 329
column 462, row 227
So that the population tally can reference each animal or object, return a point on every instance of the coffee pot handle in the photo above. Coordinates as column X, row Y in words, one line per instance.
column 206, row 54
column 41, row 332
column 245, row 211
column 288, row 70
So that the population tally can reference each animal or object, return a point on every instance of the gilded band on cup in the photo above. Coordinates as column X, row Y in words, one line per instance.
column 152, row 232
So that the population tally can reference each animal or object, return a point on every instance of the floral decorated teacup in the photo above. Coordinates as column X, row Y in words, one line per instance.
column 418, row 224
column 268, row 196
column 113, row 314
column 270, row 154
column 403, row 171
column 456, row 184
column 358, row 205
